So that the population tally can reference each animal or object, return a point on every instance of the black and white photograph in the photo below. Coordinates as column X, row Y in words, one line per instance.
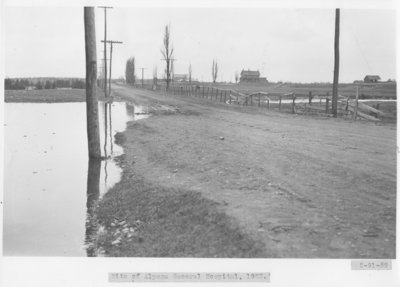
column 196, row 132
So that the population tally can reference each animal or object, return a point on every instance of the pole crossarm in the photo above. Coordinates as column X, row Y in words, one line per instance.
column 112, row 42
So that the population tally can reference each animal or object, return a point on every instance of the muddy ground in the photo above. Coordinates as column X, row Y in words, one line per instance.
column 292, row 186
column 205, row 179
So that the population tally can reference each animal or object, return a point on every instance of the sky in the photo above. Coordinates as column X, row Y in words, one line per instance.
column 284, row 44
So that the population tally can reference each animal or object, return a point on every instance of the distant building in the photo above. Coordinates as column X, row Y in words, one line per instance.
column 251, row 77
column 180, row 77
column 371, row 79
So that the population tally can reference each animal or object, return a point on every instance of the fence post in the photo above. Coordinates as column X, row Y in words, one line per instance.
column 268, row 103
column 327, row 105
column 280, row 101
column 356, row 105
column 310, row 97
column 293, row 104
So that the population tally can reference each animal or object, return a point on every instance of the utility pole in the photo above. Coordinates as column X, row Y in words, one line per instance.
column 92, row 116
column 105, row 46
column 142, row 75
column 111, row 42
column 336, row 67
column 101, row 76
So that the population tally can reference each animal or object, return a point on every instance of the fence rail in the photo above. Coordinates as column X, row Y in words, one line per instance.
column 289, row 102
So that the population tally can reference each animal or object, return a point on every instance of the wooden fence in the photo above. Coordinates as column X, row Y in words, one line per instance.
column 290, row 102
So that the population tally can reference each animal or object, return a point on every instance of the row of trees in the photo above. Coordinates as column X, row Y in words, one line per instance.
column 167, row 52
column 22, row 84
column 130, row 71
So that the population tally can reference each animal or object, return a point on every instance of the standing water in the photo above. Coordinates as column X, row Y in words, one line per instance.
column 49, row 188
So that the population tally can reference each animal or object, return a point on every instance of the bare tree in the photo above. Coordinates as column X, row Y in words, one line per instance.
column 167, row 53
column 92, row 117
column 236, row 77
column 190, row 74
column 214, row 71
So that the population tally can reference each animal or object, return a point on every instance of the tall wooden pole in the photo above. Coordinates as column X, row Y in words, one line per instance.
column 336, row 67
column 92, row 117
column 142, row 76
column 109, row 84
column 111, row 50
column 105, row 52
column 105, row 46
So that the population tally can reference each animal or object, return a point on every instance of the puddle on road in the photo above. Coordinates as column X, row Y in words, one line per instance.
column 49, row 188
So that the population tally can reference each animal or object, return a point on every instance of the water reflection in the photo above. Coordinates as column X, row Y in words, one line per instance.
column 130, row 110
column 93, row 195
column 110, row 121
column 49, row 188
column 105, row 130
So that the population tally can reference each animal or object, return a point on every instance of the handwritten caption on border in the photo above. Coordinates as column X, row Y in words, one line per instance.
column 371, row 264
column 188, row 277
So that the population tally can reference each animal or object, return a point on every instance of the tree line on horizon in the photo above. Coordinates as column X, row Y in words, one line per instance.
column 22, row 84
column 167, row 52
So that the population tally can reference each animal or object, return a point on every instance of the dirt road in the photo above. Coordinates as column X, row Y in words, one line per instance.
column 305, row 187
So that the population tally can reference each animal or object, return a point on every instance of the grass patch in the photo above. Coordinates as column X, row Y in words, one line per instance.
column 172, row 223
column 47, row 96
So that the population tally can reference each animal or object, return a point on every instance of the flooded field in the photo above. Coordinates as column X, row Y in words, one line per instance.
column 48, row 183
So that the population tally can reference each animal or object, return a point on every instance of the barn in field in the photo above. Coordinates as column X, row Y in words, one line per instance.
column 251, row 77
column 371, row 79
